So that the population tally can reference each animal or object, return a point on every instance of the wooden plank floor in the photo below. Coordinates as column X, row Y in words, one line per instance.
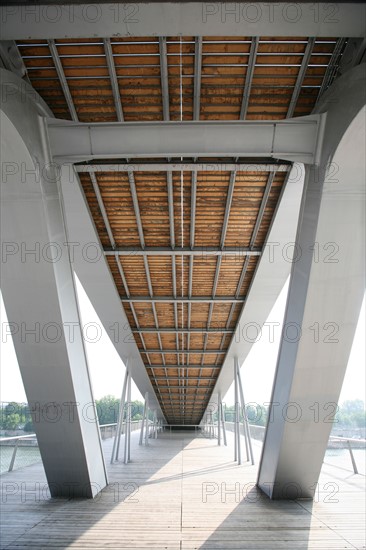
column 175, row 496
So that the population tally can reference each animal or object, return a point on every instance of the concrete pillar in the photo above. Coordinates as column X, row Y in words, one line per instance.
column 325, row 295
column 40, row 298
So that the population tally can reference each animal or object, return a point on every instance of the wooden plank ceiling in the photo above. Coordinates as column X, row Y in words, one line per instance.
column 183, row 344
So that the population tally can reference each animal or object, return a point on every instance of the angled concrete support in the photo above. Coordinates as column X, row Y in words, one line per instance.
column 325, row 295
column 40, row 298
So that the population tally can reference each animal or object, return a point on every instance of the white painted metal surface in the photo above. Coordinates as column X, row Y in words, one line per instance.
column 182, row 18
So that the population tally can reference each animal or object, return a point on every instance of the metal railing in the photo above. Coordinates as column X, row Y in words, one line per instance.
column 22, row 450
column 335, row 444
column 109, row 430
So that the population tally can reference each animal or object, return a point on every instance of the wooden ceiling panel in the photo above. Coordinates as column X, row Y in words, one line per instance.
column 149, row 85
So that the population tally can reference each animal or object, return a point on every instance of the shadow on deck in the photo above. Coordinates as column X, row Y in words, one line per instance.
column 181, row 493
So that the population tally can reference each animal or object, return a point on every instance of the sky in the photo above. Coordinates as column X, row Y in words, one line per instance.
column 107, row 369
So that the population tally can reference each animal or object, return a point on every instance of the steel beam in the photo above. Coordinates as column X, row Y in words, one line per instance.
column 249, row 77
column 171, row 208
column 172, row 299
column 113, row 78
column 187, row 166
column 178, row 352
column 136, row 208
column 300, row 77
column 164, row 77
column 102, row 208
column 262, row 208
column 197, row 78
column 163, row 378
column 61, row 75
column 168, row 251
column 297, row 139
column 229, row 200
column 187, row 367
column 332, row 66
column 74, row 20
column 184, row 330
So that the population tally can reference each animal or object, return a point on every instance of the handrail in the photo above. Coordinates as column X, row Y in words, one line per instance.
column 16, row 437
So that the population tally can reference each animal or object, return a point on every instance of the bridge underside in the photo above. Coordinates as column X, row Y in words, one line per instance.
column 145, row 215
column 184, row 157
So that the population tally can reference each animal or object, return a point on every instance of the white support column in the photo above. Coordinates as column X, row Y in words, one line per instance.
column 127, row 453
column 219, row 420
column 223, row 424
column 237, row 450
column 117, row 439
column 248, row 441
column 144, row 418
column 325, row 295
column 147, row 420
column 41, row 302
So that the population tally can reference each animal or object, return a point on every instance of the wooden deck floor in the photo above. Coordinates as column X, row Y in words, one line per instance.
column 172, row 496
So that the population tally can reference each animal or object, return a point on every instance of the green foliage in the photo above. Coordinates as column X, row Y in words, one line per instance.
column 28, row 427
column 11, row 421
column 108, row 410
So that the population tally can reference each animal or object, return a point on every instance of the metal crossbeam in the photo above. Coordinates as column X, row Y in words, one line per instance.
column 102, row 209
column 205, row 330
column 136, row 208
column 215, row 166
column 262, row 208
column 249, row 77
column 184, row 299
column 168, row 251
column 164, row 77
column 197, row 78
column 297, row 139
column 113, row 78
column 61, row 75
column 178, row 352
column 193, row 209
column 188, row 367
column 171, row 208
column 300, row 77
column 229, row 200
column 332, row 66
column 163, row 378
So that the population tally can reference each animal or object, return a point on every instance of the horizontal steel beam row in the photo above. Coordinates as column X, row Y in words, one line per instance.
column 184, row 299
column 183, row 166
column 181, row 352
column 202, row 251
column 187, row 367
column 297, row 140
column 162, row 378
column 217, row 330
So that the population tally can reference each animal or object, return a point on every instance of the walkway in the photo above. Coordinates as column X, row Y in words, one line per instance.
column 182, row 493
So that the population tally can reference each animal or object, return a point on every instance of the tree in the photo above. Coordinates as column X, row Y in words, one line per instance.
column 28, row 427
column 11, row 421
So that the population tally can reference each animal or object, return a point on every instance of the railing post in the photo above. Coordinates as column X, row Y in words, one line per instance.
column 127, row 453
column 248, row 441
column 117, row 439
column 13, row 456
column 147, row 420
column 219, row 421
column 352, row 457
column 237, row 452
